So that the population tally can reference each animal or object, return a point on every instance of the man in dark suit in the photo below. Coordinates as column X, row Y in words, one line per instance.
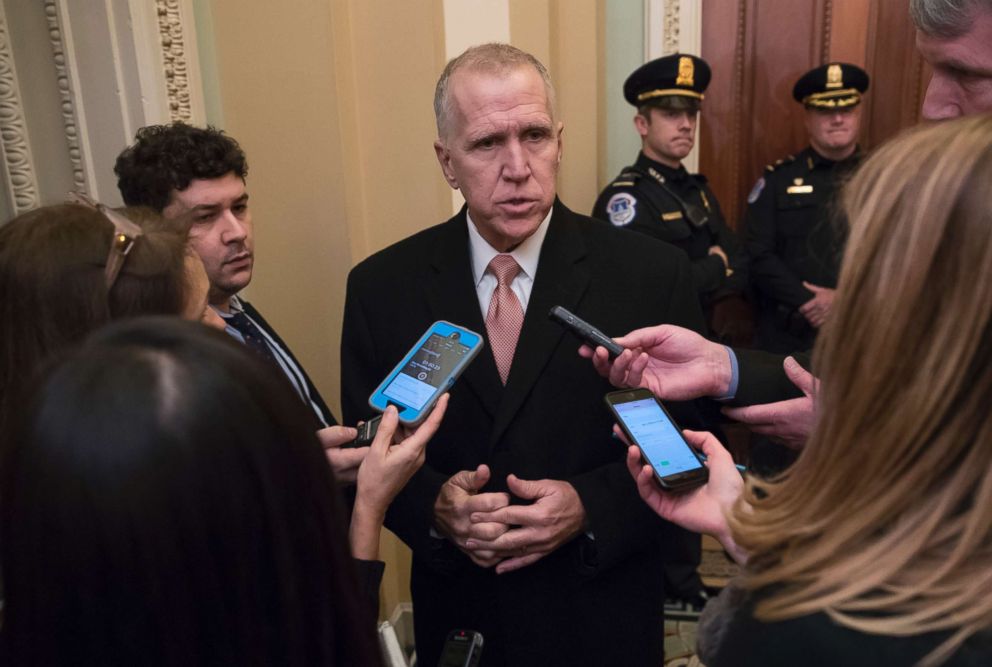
column 524, row 523
column 181, row 170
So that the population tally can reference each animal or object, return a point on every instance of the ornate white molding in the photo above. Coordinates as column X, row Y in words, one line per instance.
column 670, row 27
column 19, row 174
column 67, row 94
column 170, row 25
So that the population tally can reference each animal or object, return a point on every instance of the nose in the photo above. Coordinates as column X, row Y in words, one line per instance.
column 940, row 102
column 516, row 166
column 234, row 229
column 213, row 320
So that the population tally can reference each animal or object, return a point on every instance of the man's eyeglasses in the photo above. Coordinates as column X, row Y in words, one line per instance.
column 125, row 234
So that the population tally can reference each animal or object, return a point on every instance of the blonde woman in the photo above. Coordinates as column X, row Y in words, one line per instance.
column 875, row 547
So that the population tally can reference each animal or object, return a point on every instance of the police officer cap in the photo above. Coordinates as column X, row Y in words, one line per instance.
column 831, row 86
column 676, row 81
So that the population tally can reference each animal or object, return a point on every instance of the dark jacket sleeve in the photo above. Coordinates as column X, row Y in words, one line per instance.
column 762, row 378
column 369, row 582
column 769, row 274
column 727, row 239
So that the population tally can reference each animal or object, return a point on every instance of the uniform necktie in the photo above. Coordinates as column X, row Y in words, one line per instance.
column 505, row 316
column 254, row 340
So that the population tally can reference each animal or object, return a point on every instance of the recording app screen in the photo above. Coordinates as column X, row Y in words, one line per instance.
column 427, row 370
column 654, row 432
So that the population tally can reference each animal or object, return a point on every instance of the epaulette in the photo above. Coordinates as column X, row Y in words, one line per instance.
column 626, row 179
column 788, row 159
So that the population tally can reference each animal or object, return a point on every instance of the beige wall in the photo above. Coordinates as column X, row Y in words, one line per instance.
column 332, row 102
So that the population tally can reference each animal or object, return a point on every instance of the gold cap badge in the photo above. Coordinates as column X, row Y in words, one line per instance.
column 686, row 72
column 835, row 76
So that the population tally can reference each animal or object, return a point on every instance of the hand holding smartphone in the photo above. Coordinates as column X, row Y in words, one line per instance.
column 648, row 425
column 428, row 370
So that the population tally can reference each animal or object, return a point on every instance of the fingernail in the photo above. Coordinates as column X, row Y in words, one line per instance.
column 475, row 517
column 471, row 544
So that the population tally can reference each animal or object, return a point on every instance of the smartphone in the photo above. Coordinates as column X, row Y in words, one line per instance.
column 427, row 371
column 648, row 425
column 463, row 648
column 366, row 432
column 585, row 331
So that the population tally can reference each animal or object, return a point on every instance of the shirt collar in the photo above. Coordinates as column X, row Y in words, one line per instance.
column 526, row 254
column 236, row 307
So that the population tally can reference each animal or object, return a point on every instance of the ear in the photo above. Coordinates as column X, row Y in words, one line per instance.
column 444, row 159
column 561, row 130
column 641, row 124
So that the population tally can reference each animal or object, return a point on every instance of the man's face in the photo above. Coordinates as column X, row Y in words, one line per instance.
column 667, row 135
column 221, row 232
column 502, row 151
column 962, row 70
column 833, row 132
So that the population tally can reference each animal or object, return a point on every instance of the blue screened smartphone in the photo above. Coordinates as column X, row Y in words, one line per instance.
column 427, row 371
column 648, row 425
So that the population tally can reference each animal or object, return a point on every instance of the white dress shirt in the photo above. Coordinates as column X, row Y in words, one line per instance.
column 526, row 255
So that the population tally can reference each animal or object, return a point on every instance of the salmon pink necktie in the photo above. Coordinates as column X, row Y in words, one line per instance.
column 505, row 317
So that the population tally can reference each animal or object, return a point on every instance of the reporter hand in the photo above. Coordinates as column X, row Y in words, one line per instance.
column 788, row 422
column 674, row 363
column 555, row 517
column 344, row 460
column 392, row 459
column 818, row 308
column 703, row 509
column 458, row 499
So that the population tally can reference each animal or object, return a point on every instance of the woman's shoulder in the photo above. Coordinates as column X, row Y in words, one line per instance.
column 729, row 634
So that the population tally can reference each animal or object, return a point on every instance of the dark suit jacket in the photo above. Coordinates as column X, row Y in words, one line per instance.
column 592, row 602
column 314, row 394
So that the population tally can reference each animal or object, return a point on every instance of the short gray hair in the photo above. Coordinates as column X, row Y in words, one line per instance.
column 946, row 18
column 492, row 58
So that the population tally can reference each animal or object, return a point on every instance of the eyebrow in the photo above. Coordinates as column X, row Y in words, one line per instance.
column 954, row 62
column 201, row 208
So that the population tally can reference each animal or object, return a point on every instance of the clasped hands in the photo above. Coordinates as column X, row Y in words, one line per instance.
column 492, row 532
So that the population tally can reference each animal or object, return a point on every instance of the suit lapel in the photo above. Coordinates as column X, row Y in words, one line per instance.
column 561, row 280
column 450, row 294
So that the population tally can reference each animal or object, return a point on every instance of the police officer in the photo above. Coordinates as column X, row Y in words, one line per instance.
column 793, row 234
column 656, row 195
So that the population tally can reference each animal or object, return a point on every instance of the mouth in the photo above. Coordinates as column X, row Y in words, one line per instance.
column 517, row 205
column 240, row 258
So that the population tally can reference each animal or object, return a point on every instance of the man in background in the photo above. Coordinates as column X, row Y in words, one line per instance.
column 793, row 232
column 657, row 196
column 179, row 169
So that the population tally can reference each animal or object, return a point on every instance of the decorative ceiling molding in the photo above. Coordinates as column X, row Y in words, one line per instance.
column 170, row 25
column 19, row 175
column 67, row 93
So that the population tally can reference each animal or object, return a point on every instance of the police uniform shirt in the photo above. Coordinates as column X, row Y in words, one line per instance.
column 636, row 200
column 792, row 230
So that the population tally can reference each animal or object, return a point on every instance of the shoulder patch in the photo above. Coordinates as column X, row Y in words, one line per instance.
column 756, row 191
column 621, row 208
